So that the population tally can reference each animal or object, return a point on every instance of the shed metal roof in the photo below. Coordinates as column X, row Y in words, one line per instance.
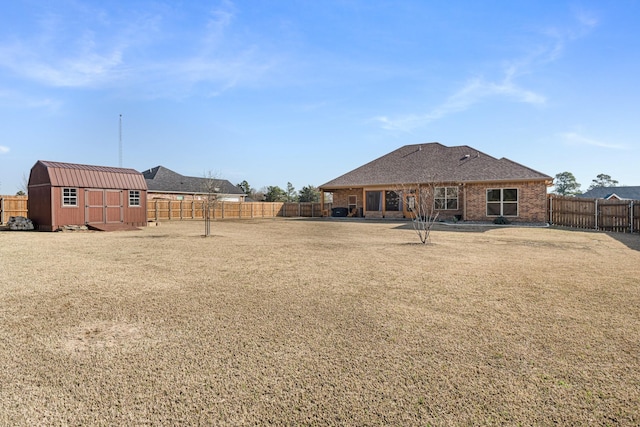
column 60, row 174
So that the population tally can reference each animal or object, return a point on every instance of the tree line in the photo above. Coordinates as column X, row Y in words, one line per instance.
column 566, row 184
column 273, row 193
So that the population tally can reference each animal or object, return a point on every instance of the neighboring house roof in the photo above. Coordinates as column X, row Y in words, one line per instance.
column 60, row 174
column 434, row 162
column 626, row 193
column 163, row 180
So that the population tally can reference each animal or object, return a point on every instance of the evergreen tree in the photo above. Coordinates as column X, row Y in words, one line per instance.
column 566, row 184
column 603, row 180
column 309, row 194
column 246, row 188
column 275, row 194
column 291, row 193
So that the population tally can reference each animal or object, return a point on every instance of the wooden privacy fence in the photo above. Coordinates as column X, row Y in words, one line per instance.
column 12, row 206
column 596, row 214
column 172, row 210
column 169, row 210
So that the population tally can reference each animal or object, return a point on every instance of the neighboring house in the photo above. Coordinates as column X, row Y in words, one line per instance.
column 470, row 185
column 166, row 184
column 613, row 193
column 63, row 194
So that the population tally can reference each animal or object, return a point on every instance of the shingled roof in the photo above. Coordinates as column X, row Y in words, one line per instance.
column 161, row 179
column 627, row 193
column 434, row 162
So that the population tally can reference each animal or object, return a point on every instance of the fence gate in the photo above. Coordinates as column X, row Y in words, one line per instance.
column 621, row 216
column 614, row 216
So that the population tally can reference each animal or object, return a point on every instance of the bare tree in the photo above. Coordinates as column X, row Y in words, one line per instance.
column 23, row 188
column 211, row 192
column 420, row 200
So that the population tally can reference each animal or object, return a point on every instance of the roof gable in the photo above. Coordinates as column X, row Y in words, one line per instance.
column 623, row 193
column 161, row 179
column 434, row 162
column 59, row 174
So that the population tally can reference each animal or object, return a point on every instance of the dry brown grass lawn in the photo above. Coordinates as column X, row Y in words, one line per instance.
column 301, row 322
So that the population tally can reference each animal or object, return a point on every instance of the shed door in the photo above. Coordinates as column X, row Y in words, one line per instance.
column 104, row 206
column 113, row 206
column 94, row 205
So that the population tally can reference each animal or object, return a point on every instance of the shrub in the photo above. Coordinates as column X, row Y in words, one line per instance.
column 501, row 220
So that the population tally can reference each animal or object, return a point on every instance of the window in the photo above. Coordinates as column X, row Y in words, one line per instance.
column 69, row 197
column 391, row 201
column 134, row 197
column 446, row 198
column 374, row 200
column 502, row 202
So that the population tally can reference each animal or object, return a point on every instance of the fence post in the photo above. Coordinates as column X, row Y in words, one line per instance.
column 595, row 203
column 630, row 216
column 1, row 210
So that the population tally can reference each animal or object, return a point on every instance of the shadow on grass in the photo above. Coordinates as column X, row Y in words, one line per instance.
column 467, row 227
column 630, row 240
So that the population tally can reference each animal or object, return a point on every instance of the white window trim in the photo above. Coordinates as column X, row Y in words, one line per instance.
column 138, row 198
column 73, row 197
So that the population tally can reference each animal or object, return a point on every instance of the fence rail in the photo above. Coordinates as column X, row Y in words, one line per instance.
column 621, row 216
column 12, row 206
column 179, row 210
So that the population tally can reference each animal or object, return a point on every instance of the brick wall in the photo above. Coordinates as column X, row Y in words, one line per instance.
column 341, row 197
column 532, row 201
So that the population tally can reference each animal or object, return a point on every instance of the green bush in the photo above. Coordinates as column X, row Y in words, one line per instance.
column 501, row 220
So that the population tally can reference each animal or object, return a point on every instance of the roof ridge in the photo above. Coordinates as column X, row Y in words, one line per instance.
column 67, row 165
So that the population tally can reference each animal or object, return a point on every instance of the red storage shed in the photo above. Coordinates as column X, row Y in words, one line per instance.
column 63, row 194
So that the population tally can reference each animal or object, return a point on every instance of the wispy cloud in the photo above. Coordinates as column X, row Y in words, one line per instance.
column 507, row 86
column 3, row 149
column 574, row 138
column 61, row 52
column 473, row 92
column 104, row 51
column 16, row 100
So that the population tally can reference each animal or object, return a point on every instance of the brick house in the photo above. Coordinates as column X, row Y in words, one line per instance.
column 166, row 184
column 469, row 185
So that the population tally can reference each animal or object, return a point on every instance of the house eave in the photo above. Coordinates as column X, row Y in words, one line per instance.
column 548, row 182
column 190, row 193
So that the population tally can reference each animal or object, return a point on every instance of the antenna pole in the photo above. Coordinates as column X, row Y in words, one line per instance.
column 120, row 143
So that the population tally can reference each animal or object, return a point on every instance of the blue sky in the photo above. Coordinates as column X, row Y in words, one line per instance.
column 303, row 91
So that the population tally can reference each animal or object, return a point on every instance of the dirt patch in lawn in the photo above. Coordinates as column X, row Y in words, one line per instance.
column 300, row 322
column 99, row 336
